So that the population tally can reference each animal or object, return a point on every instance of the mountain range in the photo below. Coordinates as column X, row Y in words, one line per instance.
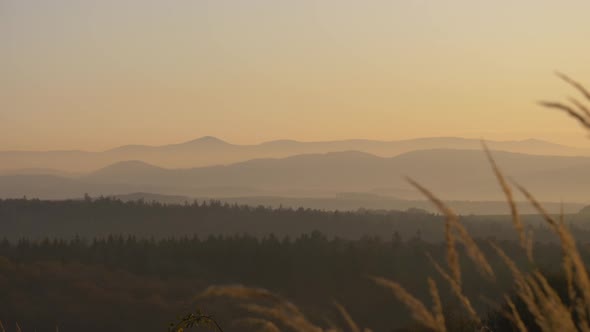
column 210, row 151
column 455, row 174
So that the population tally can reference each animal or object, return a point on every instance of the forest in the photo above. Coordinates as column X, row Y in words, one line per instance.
column 100, row 217
column 113, row 278
column 126, row 283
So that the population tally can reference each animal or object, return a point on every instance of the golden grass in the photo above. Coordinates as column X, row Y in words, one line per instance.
column 450, row 222
column 582, row 118
column 240, row 292
column 582, row 113
column 437, row 307
column 286, row 317
column 456, row 289
column 513, row 315
column 471, row 248
column 263, row 325
column 517, row 223
column 347, row 318
column 578, row 86
column 542, row 301
column 419, row 311
column 278, row 309
column 581, row 107
column 569, row 249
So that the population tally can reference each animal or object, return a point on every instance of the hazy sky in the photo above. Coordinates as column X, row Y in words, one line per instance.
column 97, row 74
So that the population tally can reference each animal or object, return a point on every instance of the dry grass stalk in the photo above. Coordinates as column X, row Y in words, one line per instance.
column 279, row 309
column 582, row 114
column 471, row 247
column 568, row 271
column 573, row 265
column 417, row 308
column 452, row 254
column 239, row 292
column 437, row 308
column 560, row 311
column 541, row 300
column 575, row 84
column 518, row 225
column 347, row 318
column 456, row 288
column 580, row 107
column 568, row 245
column 474, row 252
column 548, row 218
column 518, row 276
column 288, row 318
column 557, row 314
column 582, row 119
column 263, row 325
column 523, row 289
column 577, row 304
column 450, row 221
column 249, row 293
column 514, row 316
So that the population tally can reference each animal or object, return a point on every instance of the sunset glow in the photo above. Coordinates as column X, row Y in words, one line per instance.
column 109, row 73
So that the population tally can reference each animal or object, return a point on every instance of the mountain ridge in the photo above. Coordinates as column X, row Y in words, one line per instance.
column 215, row 140
column 458, row 174
column 212, row 151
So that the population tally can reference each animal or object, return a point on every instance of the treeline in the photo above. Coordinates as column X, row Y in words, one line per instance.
column 103, row 264
column 89, row 218
column 126, row 283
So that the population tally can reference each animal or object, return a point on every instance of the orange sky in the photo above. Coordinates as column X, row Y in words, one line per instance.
column 97, row 74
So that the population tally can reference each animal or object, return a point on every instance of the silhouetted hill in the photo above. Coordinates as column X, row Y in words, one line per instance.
column 456, row 174
column 123, row 171
column 208, row 151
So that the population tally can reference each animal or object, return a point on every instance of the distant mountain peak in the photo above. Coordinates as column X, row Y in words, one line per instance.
column 207, row 140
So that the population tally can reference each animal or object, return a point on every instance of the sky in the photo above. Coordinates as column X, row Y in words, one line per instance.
column 91, row 75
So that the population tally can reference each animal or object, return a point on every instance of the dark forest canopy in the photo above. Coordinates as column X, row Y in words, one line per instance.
column 88, row 218
column 103, row 264
column 122, row 283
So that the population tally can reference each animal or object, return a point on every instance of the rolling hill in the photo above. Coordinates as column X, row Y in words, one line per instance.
column 210, row 151
column 455, row 174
